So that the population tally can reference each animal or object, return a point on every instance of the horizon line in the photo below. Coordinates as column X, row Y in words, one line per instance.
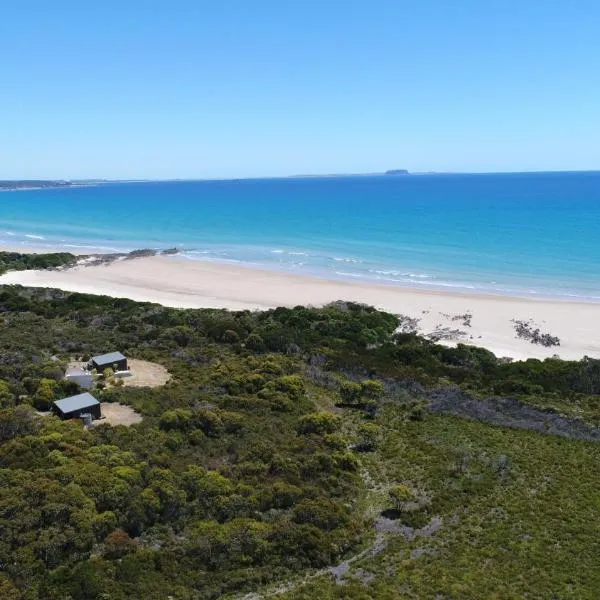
column 390, row 173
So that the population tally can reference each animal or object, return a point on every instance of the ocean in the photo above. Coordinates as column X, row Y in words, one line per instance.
column 515, row 234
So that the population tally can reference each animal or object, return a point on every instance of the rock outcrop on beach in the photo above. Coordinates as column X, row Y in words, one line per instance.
column 527, row 330
column 107, row 259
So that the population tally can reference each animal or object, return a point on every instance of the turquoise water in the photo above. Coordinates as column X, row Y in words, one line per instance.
column 526, row 234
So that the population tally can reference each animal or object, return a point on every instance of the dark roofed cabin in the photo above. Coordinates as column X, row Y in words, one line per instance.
column 114, row 360
column 75, row 406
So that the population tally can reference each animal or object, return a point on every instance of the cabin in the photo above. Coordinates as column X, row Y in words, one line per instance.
column 82, row 378
column 74, row 407
column 113, row 360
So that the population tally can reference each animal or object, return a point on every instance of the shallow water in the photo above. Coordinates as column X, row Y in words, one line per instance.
column 525, row 234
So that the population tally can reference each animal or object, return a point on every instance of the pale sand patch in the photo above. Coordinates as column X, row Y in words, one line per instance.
column 145, row 374
column 118, row 414
column 178, row 282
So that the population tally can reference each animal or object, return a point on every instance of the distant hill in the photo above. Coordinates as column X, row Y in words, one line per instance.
column 397, row 172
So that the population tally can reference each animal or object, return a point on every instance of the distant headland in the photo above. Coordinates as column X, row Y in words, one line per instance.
column 334, row 175
column 12, row 185
column 29, row 184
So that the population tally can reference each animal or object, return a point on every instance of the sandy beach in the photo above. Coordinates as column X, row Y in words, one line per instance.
column 177, row 282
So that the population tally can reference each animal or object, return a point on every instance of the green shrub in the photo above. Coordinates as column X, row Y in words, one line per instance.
column 350, row 392
column 319, row 423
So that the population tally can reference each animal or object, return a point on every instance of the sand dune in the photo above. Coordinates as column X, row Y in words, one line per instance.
column 177, row 282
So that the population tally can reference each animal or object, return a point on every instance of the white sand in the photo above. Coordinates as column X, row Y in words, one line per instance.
column 177, row 282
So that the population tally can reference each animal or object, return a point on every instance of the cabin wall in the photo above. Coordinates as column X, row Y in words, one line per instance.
column 76, row 414
column 120, row 364
column 84, row 380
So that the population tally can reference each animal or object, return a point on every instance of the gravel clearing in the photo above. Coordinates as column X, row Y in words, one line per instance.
column 145, row 374
column 118, row 414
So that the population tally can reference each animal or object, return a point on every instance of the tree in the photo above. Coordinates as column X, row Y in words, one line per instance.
column 7, row 398
column 284, row 495
column 8, row 591
column 118, row 544
column 45, row 394
column 368, row 337
column 204, row 486
column 104, row 523
column 17, row 421
column 230, row 336
column 255, row 342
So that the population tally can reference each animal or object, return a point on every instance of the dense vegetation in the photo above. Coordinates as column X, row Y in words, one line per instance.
column 15, row 261
column 286, row 443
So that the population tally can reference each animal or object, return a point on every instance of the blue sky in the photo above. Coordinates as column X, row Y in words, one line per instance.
column 231, row 88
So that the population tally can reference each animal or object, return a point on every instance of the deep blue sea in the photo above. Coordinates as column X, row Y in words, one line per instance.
column 524, row 234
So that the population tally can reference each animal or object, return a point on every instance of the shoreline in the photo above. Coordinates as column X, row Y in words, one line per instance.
column 183, row 254
column 180, row 283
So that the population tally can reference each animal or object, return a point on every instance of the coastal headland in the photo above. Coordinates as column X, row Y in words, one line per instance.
column 519, row 328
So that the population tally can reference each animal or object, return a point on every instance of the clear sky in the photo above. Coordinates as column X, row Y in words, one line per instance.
column 236, row 88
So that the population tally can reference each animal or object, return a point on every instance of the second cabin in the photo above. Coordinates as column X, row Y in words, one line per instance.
column 76, row 407
column 113, row 360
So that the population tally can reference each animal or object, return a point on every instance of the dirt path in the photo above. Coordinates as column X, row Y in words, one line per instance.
column 385, row 530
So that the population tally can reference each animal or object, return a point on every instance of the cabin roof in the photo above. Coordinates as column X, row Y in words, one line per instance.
column 72, row 403
column 106, row 359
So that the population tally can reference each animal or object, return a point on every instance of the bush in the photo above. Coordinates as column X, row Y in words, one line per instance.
column 292, row 385
column 368, row 436
column 178, row 419
column 372, row 388
column 319, row 423
column 322, row 513
column 400, row 496
column 350, row 392
column 511, row 386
